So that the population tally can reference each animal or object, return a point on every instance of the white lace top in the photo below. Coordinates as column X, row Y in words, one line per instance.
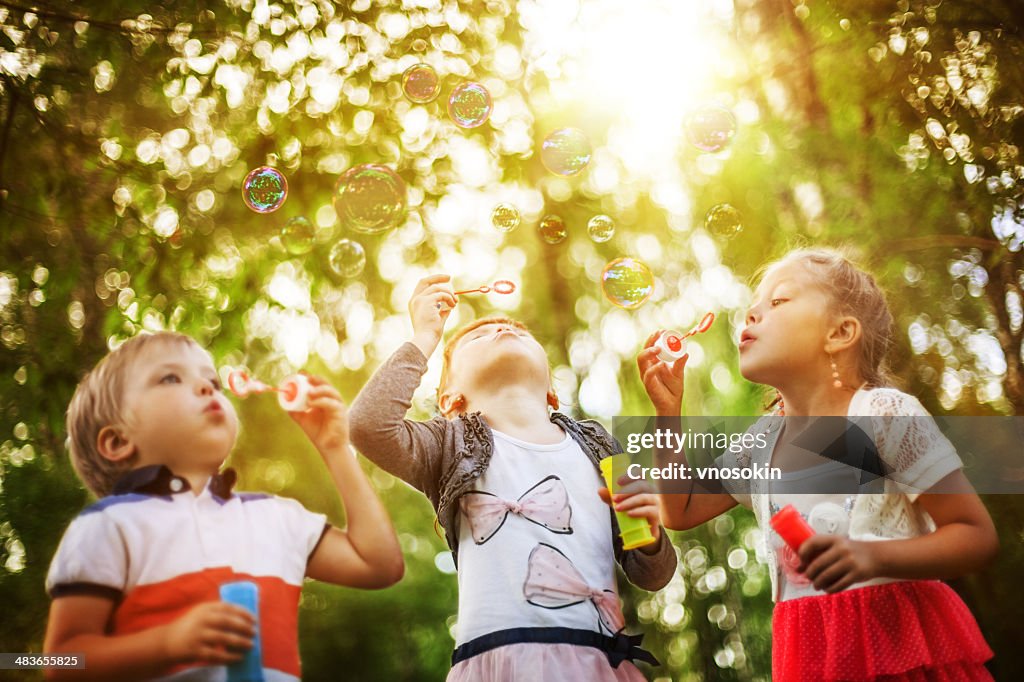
column 915, row 452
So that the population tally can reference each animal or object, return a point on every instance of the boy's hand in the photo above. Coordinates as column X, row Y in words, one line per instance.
column 835, row 562
column 325, row 420
column 431, row 303
column 211, row 632
column 637, row 499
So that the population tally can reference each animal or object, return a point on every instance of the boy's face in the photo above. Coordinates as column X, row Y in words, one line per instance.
column 175, row 411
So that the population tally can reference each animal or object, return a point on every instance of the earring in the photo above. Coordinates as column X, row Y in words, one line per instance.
column 835, row 373
column 782, row 405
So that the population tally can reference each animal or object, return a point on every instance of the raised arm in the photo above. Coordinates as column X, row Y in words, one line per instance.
column 408, row 449
column 680, row 509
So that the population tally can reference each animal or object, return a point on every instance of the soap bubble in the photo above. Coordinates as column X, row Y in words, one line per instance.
column 627, row 283
column 469, row 105
column 298, row 235
column 420, row 83
column 346, row 258
column 601, row 228
column 710, row 128
column 370, row 198
column 723, row 221
column 505, row 217
column 565, row 151
column 264, row 189
column 552, row 229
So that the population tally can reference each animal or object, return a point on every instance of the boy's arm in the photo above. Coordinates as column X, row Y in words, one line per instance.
column 78, row 624
column 367, row 554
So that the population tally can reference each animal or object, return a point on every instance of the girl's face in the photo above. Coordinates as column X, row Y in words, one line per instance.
column 497, row 352
column 786, row 328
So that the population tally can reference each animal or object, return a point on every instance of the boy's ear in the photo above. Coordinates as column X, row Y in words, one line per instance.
column 845, row 333
column 113, row 445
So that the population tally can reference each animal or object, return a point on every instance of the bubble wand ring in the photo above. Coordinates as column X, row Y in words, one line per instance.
column 672, row 345
column 501, row 286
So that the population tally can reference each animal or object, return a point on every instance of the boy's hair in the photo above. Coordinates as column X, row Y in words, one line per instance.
column 853, row 292
column 449, row 346
column 98, row 402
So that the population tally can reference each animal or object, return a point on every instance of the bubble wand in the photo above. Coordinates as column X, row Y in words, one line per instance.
column 671, row 344
column 292, row 394
column 502, row 286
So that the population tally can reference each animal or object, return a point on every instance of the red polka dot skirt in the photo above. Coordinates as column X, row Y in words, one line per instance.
column 908, row 631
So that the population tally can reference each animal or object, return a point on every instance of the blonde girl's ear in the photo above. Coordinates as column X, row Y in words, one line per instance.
column 846, row 332
column 114, row 445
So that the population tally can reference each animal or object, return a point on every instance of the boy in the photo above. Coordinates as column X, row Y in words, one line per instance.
column 135, row 581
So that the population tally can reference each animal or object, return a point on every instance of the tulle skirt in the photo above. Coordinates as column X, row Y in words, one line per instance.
column 913, row 631
column 535, row 662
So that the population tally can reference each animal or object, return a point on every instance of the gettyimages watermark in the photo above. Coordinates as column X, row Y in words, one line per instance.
column 821, row 455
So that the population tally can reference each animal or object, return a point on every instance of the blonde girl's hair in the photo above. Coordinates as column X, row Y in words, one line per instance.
column 854, row 292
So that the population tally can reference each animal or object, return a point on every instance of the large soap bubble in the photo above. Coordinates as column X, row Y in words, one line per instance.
column 370, row 198
column 420, row 83
column 264, row 189
column 710, row 128
column 565, row 151
column 505, row 217
column 552, row 229
column 346, row 258
column 469, row 105
column 601, row 228
column 627, row 283
column 723, row 221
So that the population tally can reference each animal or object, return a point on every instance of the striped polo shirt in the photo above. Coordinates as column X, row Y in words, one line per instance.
column 157, row 550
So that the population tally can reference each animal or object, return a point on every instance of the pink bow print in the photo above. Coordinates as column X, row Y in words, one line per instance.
column 546, row 504
column 552, row 582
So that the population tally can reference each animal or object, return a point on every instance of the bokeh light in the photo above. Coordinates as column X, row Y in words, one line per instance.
column 627, row 283
column 264, row 189
column 370, row 198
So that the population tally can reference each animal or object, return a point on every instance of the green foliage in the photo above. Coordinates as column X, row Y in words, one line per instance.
column 126, row 129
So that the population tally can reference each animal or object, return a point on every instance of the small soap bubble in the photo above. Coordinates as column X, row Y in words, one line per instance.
column 370, row 198
column 710, row 128
column 264, row 189
column 723, row 221
column 627, row 283
column 420, row 83
column 469, row 105
column 601, row 228
column 565, row 151
column 552, row 229
column 505, row 217
column 346, row 258
column 298, row 235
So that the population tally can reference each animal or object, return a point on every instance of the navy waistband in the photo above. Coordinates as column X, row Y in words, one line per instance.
column 619, row 648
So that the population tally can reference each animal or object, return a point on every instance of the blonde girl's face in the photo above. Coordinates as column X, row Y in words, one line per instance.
column 786, row 327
